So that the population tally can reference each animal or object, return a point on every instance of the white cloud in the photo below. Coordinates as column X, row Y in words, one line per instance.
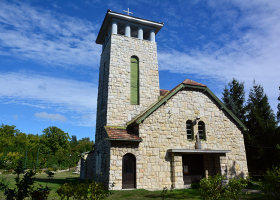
column 47, row 37
column 51, row 116
column 253, row 54
column 15, row 117
column 75, row 98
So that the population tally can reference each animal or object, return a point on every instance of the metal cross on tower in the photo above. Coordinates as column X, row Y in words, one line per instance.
column 127, row 11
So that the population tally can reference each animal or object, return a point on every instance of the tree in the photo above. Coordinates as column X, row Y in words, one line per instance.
column 278, row 112
column 234, row 98
column 262, row 125
column 54, row 139
column 7, row 134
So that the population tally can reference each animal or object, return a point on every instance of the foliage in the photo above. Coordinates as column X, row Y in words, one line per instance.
column 55, row 167
column 13, row 157
column 24, row 187
column 54, row 147
column 271, row 185
column 234, row 98
column 211, row 188
column 83, row 190
column 4, row 183
column 195, row 185
column 262, row 125
column 278, row 107
column 54, row 139
column 234, row 187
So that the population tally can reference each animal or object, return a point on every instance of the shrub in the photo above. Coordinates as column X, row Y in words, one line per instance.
column 234, row 187
column 271, row 185
column 4, row 183
column 211, row 188
column 55, row 167
column 24, row 186
column 195, row 185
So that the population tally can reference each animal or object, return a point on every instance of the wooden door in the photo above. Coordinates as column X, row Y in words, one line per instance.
column 128, row 171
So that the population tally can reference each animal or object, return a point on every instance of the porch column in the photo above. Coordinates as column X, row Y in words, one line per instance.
column 177, row 171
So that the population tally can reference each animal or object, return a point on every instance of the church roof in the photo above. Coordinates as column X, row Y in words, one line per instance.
column 187, row 83
column 121, row 133
column 163, row 92
column 191, row 82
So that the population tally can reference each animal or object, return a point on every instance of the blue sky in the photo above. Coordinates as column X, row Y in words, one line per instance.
column 49, row 60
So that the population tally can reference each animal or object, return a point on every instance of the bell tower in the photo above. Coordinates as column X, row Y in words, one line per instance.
column 128, row 73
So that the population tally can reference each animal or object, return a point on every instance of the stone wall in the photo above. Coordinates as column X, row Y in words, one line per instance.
column 113, row 103
column 122, row 48
column 165, row 129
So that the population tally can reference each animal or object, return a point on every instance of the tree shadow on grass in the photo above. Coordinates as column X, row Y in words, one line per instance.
column 176, row 194
column 57, row 180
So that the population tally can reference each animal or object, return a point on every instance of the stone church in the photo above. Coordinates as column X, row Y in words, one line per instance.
column 149, row 138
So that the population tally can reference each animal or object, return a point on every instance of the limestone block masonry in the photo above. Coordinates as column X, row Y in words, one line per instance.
column 119, row 108
column 165, row 129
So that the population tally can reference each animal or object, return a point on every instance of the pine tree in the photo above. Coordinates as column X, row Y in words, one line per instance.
column 262, row 125
column 278, row 112
column 234, row 98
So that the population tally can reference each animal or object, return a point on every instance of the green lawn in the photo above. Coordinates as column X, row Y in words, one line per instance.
column 59, row 178
column 64, row 177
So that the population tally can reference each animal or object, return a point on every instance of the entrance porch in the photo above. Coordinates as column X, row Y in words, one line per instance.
column 191, row 165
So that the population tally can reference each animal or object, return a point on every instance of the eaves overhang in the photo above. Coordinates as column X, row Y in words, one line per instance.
column 197, row 151
column 118, row 16
column 125, row 140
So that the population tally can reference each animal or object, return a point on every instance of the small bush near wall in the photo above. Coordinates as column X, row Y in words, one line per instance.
column 271, row 185
column 212, row 188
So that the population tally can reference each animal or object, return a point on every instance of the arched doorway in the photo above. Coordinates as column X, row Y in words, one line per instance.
column 129, row 171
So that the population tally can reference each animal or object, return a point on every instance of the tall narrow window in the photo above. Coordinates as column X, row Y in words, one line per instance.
column 189, row 127
column 134, row 80
column 103, row 86
column 201, row 130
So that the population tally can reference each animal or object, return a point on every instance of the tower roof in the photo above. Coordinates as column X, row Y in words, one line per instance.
column 122, row 17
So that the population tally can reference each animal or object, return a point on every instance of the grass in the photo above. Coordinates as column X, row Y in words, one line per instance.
column 59, row 179
column 65, row 177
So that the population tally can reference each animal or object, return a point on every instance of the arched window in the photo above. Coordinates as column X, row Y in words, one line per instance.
column 134, row 80
column 201, row 130
column 189, row 128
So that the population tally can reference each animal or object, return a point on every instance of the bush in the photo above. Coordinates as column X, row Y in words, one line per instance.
column 4, row 183
column 195, row 185
column 235, row 186
column 24, row 186
column 83, row 190
column 211, row 188
column 55, row 167
column 271, row 185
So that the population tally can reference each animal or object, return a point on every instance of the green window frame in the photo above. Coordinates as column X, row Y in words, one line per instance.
column 201, row 130
column 134, row 80
column 189, row 129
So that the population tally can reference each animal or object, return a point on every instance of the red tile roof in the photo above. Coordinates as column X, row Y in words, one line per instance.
column 163, row 92
column 191, row 82
column 119, row 133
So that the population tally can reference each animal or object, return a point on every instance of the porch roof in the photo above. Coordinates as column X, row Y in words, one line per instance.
column 197, row 151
